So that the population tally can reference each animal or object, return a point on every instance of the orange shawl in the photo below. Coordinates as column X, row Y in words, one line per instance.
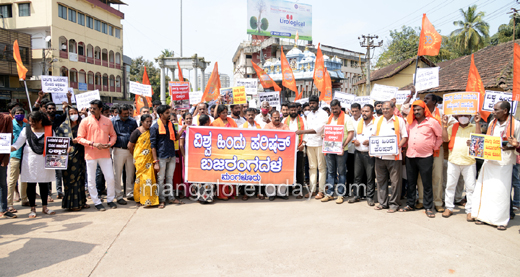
column 219, row 123
column 341, row 118
column 427, row 112
column 162, row 130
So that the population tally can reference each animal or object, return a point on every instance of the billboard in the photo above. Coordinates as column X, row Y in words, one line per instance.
column 277, row 18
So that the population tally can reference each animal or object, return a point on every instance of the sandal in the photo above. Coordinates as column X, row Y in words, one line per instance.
column 176, row 201
column 49, row 199
column 299, row 197
column 478, row 222
column 407, row 209
column 378, row 207
column 86, row 206
column 161, row 205
column 501, row 228
column 391, row 211
column 12, row 210
column 261, row 197
column 32, row 214
column 429, row 213
column 48, row 212
column 245, row 197
column 75, row 209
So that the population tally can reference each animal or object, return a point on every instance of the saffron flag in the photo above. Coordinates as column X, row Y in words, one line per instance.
column 429, row 41
column 288, row 80
column 212, row 90
column 475, row 85
column 19, row 64
column 298, row 96
column 296, row 37
column 319, row 71
column 326, row 95
column 180, row 72
column 516, row 73
column 139, row 99
column 265, row 79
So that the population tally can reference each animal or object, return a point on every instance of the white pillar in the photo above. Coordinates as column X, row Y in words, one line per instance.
column 196, row 80
column 163, row 81
column 203, row 77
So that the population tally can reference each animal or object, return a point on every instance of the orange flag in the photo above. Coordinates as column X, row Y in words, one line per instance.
column 429, row 41
column 212, row 90
column 326, row 95
column 296, row 37
column 265, row 79
column 475, row 85
column 139, row 100
column 298, row 96
column 19, row 64
column 288, row 80
column 180, row 72
column 516, row 73
column 319, row 71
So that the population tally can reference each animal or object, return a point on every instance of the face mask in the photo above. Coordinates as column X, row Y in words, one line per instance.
column 463, row 120
column 306, row 113
column 19, row 117
column 74, row 117
column 264, row 111
column 440, row 107
column 82, row 116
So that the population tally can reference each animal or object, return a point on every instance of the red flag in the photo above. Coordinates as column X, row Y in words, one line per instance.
column 326, row 95
column 212, row 90
column 475, row 85
column 288, row 80
column 19, row 64
column 265, row 79
column 429, row 41
column 516, row 73
column 319, row 71
column 139, row 99
column 180, row 72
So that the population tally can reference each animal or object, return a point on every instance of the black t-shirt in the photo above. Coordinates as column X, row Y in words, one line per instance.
column 135, row 136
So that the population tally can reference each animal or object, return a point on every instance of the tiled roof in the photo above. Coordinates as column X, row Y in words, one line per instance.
column 391, row 70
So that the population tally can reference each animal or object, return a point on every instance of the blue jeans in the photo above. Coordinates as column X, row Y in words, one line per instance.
column 336, row 165
column 516, row 185
column 3, row 189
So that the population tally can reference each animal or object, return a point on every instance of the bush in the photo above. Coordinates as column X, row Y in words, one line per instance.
column 265, row 24
column 253, row 22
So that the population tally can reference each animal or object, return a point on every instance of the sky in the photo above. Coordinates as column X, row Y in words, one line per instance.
column 213, row 29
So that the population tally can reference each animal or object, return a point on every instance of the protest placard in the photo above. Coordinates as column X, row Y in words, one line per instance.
column 485, row 147
column 251, row 85
column 140, row 89
column 363, row 100
column 401, row 95
column 333, row 139
column 345, row 99
column 180, row 95
column 59, row 98
column 272, row 97
column 239, row 95
column 55, row 84
column 427, row 78
column 302, row 101
column 56, row 156
column 493, row 97
column 83, row 99
column 5, row 143
column 383, row 145
column 460, row 103
column 240, row 156
column 195, row 97
column 383, row 93
column 226, row 96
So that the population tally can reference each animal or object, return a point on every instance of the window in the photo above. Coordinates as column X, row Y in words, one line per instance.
column 72, row 15
column 118, row 33
column 62, row 11
column 90, row 22
column 81, row 19
column 105, row 28
column 81, row 50
column 4, row 81
column 111, row 30
column 6, row 10
column 97, row 25
column 24, row 9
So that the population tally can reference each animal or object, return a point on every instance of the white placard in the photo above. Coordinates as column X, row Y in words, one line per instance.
column 272, row 97
column 344, row 98
column 427, row 78
column 195, row 97
column 383, row 145
column 302, row 101
column 383, row 93
column 59, row 98
column 363, row 100
column 73, row 57
column 401, row 95
column 5, row 143
column 250, row 84
column 55, row 84
column 493, row 97
column 140, row 89
column 83, row 99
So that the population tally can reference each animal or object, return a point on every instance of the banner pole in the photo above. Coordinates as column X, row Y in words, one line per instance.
column 415, row 76
column 27, row 93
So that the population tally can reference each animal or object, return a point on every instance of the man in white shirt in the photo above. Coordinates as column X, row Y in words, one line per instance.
column 264, row 116
column 250, row 123
column 355, row 110
column 236, row 110
column 364, row 163
column 316, row 120
column 389, row 167
column 295, row 123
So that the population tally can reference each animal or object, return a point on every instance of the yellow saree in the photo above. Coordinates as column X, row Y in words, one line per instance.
column 145, row 188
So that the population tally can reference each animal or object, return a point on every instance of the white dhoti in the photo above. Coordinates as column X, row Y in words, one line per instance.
column 492, row 195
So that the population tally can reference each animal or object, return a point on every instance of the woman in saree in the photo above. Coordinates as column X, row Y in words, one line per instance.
column 74, row 198
column 145, row 188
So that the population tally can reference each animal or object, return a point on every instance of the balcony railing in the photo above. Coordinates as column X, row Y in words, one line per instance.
column 64, row 54
column 118, row 89
column 118, row 66
column 111, row 64
column 105, row 88
column 97, row 61
column 112, row 88
column 90, row 60
column 99, row 87
column 105, row 63
column 90, row 86
column 73, row 85
column 82, row 58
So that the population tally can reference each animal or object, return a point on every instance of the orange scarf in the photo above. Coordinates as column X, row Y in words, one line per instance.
column 162, row 130
column 411, row 116
column 301, row 126
column 246, row 125
column 396, row 129
column 360, row 125
column 508, row 128
column 47, row 133
column 438, row 115
column 219, row 123
column 341, row 119
column 454, row 130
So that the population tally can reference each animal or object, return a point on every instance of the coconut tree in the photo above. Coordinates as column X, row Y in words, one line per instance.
column 473, row 31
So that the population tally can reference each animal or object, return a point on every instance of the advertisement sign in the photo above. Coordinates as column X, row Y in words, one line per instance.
column 180, row 95
column 251, row 85
column 383, row 145
column 83, row 99
column 333, row 139
column 485, row 147
column 56, row 156
column 461, row 103
column 55, row 84
column 277, row 18
column 493, row 97
column 82, row 86
column 240, row 156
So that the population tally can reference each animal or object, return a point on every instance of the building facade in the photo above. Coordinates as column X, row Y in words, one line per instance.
column 225, row 81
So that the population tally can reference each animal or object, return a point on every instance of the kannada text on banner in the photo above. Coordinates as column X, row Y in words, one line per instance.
column 240, row 156
column 333, row 140
column 461, row 103
column 180, row 95
column 56, row 155
column 485, row 147
column 383, row 145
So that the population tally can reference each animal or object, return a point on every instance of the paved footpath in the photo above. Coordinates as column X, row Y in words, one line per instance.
column 254, row 238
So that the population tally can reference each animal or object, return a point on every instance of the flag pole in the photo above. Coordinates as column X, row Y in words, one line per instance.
column 415, row 76
column 27, row 93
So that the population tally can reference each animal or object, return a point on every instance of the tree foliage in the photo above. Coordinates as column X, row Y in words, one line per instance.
column 154, row 74
column 473, row 31
column 403, row 45
column 505, row 32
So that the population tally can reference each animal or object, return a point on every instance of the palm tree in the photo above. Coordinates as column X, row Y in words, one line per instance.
column 473, row 32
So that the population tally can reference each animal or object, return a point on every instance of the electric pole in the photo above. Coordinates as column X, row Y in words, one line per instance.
column 181, row 28
column 368, row 43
